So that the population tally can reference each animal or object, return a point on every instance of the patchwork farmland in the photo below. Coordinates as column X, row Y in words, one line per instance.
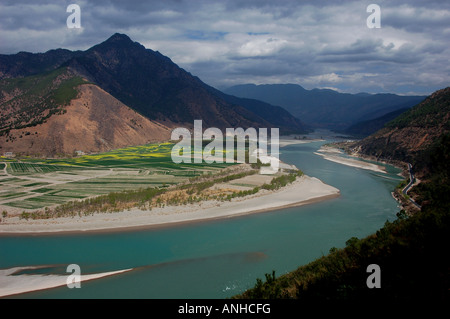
column 29, row 184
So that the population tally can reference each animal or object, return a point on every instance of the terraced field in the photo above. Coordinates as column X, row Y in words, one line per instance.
column 29, row 184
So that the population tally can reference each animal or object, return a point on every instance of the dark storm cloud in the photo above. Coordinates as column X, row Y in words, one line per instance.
column 417, row 20
column 35, row 17
column 312, row 43
column 372, row 50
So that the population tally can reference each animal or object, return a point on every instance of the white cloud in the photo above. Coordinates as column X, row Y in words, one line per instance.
column 261, row 47
column 324, row 78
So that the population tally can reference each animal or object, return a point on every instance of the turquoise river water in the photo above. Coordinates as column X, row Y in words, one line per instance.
column 221, row 258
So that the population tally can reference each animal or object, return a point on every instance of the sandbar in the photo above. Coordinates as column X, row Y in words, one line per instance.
column 285, row 142
column 11, row 284
column 304, row 190
column 332, row 155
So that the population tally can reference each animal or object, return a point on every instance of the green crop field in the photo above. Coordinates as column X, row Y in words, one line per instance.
column 37, row 183
column 17, row 168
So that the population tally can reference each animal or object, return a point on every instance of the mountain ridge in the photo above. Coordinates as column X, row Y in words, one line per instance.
column 143, row 80
column 146, row 81
column 368, row 127
column 325, row 108
column 163, row 92
column 410, row 136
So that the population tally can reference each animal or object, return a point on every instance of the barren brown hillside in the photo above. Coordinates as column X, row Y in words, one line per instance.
column 93, row 122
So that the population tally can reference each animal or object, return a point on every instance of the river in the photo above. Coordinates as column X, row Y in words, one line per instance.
column 221, row 258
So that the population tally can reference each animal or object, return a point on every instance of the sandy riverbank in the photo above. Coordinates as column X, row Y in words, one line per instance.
column 285, row 141
column 11, row 284
column 333, row 155
column 304, row 190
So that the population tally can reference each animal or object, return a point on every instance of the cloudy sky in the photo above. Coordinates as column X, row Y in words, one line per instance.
column 321, row 43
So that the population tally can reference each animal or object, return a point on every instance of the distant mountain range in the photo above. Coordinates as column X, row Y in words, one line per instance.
column 43, row 90
column 325, row 108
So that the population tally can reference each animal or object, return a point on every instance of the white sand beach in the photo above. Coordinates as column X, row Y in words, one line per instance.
column 303, row 191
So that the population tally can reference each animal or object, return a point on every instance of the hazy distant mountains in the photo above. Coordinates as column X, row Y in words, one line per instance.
column 38, row 89
column 324, row 108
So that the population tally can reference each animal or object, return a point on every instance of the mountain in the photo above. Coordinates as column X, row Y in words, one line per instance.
column 277, row 115
column 149, row 83
column 365, row 128
column 324, row 108
column 59, row 113
column 31, row 100
column 412, row 135
column 156, row 87
column 36, row 87
column 25, row 63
